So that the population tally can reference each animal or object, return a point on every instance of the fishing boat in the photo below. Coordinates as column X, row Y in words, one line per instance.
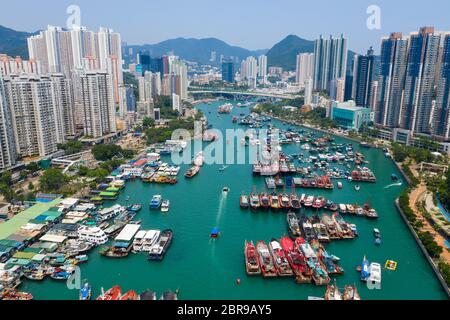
column 293, row 225
column 333, row 293
column 129, row 296
column 343, row 208
column 13, row 295
column 351, row 293
column 285, row 202
column 112, row 294
column 309, row 201
column 270, row 183
column 86, row 291
column 357, row 187
column 159, row 250
column 296, row 260
column 320, row 229
column 280, row 260
column 371, row 214
column 148, row 295
column 339, row 184
column 266, row 263
column 376, row 233
column 264, row 201
column 279, row 182
column 319, row 203
column 307, row 228
column 365, row 270
column 332, row 228
column 251, row 259
column 165, row 206
column 254, row 202
column 295, row 202
column 169, row 295
column 156, row 202
column 135, row 208
column 192, row 172
column 274, row 202
column 244, row 202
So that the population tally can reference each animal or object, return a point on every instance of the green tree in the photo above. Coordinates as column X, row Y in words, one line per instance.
column 52, row 180
column 148, row 123
column 71, row 147
column 104, row 152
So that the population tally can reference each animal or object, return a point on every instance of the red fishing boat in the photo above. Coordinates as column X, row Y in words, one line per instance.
column 296, row 260
column 319, row 203
column 280, row 259
column 264, row 201
column 251, row 259
column 266, row 263
column 112, row 294
column 130, row 295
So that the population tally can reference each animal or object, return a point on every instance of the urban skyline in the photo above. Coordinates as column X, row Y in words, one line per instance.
column 318, row 17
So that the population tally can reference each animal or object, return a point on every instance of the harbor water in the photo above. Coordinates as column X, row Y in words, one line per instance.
column 202, row 268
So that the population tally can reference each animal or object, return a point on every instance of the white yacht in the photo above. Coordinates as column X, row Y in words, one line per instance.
column 165, row 206
column 138, row 241
column 150, row 239
column 375, row 274
column 92, row 235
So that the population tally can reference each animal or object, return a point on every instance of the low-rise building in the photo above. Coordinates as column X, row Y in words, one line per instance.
column 347, row 115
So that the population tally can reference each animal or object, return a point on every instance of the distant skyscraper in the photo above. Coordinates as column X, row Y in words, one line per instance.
column 308, row 91
column 419, row 81
column 262, row 68
column 442, row 111
column 98, row 104
column 305, row 67
column 176, row 103
column 228, row 71
column 363, row 72
column 391, row 80
column 330, row 61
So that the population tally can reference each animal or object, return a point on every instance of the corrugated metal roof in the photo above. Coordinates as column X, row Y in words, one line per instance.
column 11, row 226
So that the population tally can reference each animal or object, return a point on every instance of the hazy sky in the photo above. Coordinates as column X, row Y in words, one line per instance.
column 253, row 24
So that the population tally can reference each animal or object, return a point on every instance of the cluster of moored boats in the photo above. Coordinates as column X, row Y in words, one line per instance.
column 287, row 202
column 334, row 293
column 115, row 294
column 323, row 229
column 307, row 262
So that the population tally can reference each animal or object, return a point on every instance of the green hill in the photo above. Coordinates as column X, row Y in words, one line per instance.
column 14, row 43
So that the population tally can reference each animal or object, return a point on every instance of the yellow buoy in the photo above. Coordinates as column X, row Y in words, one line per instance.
column 391, row 265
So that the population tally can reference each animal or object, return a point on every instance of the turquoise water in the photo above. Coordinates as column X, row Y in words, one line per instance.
column 202, row 268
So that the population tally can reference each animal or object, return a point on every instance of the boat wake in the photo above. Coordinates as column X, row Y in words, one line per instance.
column 223, row 200
column 398, row 184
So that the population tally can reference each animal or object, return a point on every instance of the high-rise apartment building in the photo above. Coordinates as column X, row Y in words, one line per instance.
column 36, row 114
column 394, row 52
column 262, row 68
column 8, row 155
column 441, row 127
column 304, row 68
column 228, row 71
column 330, row 61
column 423, row 51
column 363, row 75
column 98, row 104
